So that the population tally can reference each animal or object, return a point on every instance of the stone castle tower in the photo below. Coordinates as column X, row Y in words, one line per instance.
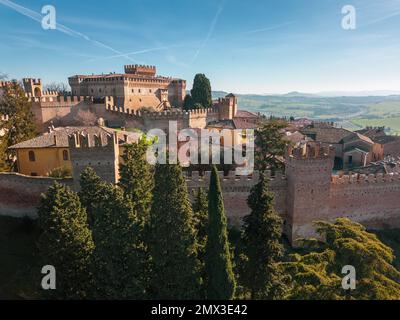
column 100, row 152
column 308, row 173
column 227, row 107
column 33, row 87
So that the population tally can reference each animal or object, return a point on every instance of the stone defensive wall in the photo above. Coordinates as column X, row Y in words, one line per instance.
column 373, row 200
column 58, row 108
column 4, row 84
column 167, row 114
column 197, row 118
column 20, row 194
column 53, row 102
column 236, row 190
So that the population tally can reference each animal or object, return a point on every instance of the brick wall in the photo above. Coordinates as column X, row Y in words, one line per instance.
column 20, row 195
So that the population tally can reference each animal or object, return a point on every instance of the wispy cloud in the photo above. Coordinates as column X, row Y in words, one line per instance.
column 160, row 48
column 210, row 30
column 383, row 18
column 270, row 28
column 60, row 27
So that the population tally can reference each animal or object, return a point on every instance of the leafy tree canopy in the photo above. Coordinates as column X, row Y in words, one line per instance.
column 318, row 273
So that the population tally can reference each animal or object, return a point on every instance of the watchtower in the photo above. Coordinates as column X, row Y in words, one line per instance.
column 98, row 151
column 33, row 87
column 308, row 172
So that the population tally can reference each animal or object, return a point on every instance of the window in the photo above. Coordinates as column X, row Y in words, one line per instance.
column 65, row 155
column 31, row 155
column 350, row 160
column 34, row 174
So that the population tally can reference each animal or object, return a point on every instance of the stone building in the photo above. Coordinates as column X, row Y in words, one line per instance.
column 52, row 150
column 138, row 87
column 389, row 144
column 352, row 149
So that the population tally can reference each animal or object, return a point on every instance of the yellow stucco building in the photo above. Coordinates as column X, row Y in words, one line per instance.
column 40, row 156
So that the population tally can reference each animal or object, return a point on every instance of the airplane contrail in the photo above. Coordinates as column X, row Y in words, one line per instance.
column 271, row 28
column 60, row 27
column 139, row 52
column 210, row 30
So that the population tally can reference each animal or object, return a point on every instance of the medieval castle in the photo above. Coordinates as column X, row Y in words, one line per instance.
column 308, row 190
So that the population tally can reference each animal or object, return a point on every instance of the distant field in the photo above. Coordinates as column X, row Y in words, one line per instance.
column 349, row 112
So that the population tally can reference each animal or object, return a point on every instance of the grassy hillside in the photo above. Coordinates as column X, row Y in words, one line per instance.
column 350, row 112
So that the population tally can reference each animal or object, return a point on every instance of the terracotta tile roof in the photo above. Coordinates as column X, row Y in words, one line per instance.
column 242, row 124
column 246, row 114
column 356, row 136
column 326, row 134
column 232, row 124
column 329, row 134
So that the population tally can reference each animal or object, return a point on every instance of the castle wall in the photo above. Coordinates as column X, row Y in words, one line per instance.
column 20, row 195
column 98, row 152
column 236, row 190
column 61, row 111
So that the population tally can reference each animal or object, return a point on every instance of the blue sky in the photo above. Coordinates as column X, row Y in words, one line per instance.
column 252, row 46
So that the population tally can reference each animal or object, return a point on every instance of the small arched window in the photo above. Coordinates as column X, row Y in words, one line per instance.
column 31, row 155
column 65, row 155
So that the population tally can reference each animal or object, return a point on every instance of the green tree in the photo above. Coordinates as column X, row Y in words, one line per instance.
column 220, row 281
column 66, row 242
column 270, row 146
column 91, row 192
column 137, row 178
column 173, row 247
column 20, row 125
column 201, row 91
column 317, row 274
column 119, row 255
column 200, row 210
column 188, row 103
column 263, row 276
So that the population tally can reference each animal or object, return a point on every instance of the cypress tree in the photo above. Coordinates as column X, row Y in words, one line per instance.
column 91, row 192
column 119, row 256
column 262, row 275
column 66, row 242
column 220, row 281
column 173, row 248
column 200, row 210
column 188, row 103
column 201, row 92
column 137, row 179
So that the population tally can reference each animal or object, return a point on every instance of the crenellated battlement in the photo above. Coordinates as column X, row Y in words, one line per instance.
column 4, row 84
column 32, row 80
column 310, row 151
column 365, row 179
column 167, row 114
column 140, row 70
column 50, row 93
column 81, row 140
column 58, row 99
column 195, row 178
